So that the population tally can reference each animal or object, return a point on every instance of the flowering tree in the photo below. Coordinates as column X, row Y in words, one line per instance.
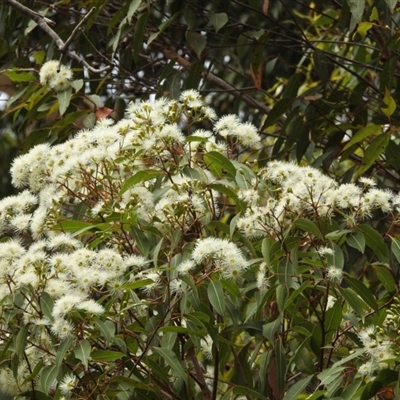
column 148, row 262
column 168, row 249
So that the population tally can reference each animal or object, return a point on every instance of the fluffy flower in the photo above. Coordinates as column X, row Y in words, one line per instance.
column 334, row 274
column 56, row 75
column 68, row 384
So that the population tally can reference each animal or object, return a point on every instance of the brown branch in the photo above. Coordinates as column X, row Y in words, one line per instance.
column 44, row 23
column 172, row 55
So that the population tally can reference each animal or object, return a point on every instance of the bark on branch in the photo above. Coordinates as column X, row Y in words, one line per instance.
column 170, row 54
column 44, row 23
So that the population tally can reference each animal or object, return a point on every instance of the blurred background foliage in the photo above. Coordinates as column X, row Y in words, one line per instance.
column 319, row 79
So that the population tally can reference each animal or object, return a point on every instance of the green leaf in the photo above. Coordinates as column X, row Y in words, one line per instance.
column 218, row 164
column 270, row 328
column 77, row 84
column 132, row 9
column 64, row 98
column 196, row 41
column 15, row 75
column 48, row 376
column 140, row 28
column 168, row 340
column 363, row 28
column 329, row 375
column 218, row 20
column 107, row 329
column 106, row 355
column 391, row 4
column 373, row 152
column 354, row 301
column 75, row 226
column 385, row 276
column 62, row 350
column 245, row 391
column 172, row 360
column 216, row 296
column 137, row 284
column 374, row 241
column 395, row 247
column 162, row 28
column 308, row 226
column 280, row 364
column 333, row 317
column 20, row 341
column 298, row 388
column 362, row 291
column 173, row 85
column 82, row 352
column 356, row 241
column 390, row 104
column 142, row 242
column 357, row 10
column 46, row 305
column 363, row 133
column 337, row 258
column 321, row 66
column 281, row 297
column 140, row 176
column 297, row 293
column 281, row 107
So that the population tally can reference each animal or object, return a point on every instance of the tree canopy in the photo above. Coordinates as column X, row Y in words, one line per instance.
column 326, row 71
column 237, row 161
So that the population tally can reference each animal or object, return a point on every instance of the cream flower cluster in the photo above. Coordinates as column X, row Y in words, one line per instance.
column 284, row 192
column 160, row 145
column 56, row 75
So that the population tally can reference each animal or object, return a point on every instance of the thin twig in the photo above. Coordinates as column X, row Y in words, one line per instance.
column 44, row 23
column 172, row 55
column 80, row 23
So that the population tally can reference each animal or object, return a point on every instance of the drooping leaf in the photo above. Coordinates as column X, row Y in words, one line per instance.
column 333, row 317
column 106, row 355
column 374, row 240
column 48, row 376
column 363, row 133
column 20, row 341
column 162, row 28
column 390, row 104
column 395, row 247
column 280, row 108
column 298, row 388
column 219, row 164
column 107, row 329
column 63, row 349
column 362, row 291
column 197, row 42
column 64, row 98
column 138, row 42
column 386, row 278
column 354, row 301
column 82, row 352
column 245, row 391
column 216, row 296
column 46, row 305
column 218, row 20
column 321, row 66
column 357, row 241
column 391, row 4
column 357, row 10
column 308, row 226
column 172, row 360
column 132, row 9
column 16, row 75
column 138, row 177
